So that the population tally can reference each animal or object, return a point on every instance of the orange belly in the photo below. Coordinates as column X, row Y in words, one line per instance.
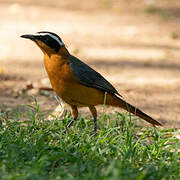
column 67, row 87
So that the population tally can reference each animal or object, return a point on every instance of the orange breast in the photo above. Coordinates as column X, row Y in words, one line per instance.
column 66, row 85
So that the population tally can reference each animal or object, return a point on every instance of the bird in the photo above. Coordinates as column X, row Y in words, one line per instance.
column 76, row 83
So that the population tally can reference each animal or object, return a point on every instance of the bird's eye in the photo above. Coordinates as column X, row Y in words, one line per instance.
column 45, row 39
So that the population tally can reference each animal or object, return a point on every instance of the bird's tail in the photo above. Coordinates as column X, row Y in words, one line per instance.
column 118, row 102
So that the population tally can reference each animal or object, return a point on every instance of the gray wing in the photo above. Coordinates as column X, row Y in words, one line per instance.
column 89, row 77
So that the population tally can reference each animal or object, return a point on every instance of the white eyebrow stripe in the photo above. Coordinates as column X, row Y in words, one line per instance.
column 54, row 37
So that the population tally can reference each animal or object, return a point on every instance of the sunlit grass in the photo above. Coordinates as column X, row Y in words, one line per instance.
column 33, row 148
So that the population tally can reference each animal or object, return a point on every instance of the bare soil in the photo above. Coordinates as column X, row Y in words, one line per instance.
column 134, row 44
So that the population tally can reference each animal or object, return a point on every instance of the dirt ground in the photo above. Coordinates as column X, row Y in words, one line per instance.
column 134, row 44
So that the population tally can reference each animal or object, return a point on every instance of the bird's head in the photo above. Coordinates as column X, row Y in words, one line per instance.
column 48, row 42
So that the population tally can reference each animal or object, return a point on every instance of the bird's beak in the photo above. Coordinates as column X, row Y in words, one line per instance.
column 29, row 36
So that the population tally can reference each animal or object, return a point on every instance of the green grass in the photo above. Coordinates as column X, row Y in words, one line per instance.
column 164, row 14
column 32, row 148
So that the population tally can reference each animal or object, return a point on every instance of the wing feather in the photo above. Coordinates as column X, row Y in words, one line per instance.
column 89, row 77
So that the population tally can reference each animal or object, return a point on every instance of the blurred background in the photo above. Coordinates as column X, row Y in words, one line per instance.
column 135, row 44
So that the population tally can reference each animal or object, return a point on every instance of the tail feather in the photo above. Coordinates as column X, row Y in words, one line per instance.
column 130, row 108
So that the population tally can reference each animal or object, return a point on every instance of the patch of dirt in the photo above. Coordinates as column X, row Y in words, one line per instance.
column 135, row 46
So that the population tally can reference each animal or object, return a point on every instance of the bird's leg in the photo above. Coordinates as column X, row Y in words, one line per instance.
column 94, row 113
column 74, row 112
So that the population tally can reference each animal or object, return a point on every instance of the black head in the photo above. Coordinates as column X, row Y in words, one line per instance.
column 46, row 40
